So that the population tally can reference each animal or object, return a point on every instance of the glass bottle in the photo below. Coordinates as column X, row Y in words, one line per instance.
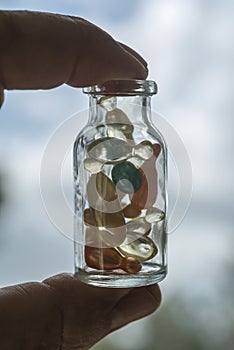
column 120, row 170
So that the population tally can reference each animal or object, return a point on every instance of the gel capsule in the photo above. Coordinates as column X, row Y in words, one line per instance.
column 137, row 162
column 107, row 102
column 154, row 215
column 93, row 165
column 110, row 220
column 131, row 212
column 119, row 119
column 102, row 238
column 101, row 194
column 146, row 196
column 144, row 150
column 114, row 130
column 101, row 184
column 92, row 238
column 139, row 247
column 126, row 177
column 110, row 259
column 100, row 132
column 109, row 234
column 139, row 226
column 109, row 149
column 89, row 218
column 106, row 169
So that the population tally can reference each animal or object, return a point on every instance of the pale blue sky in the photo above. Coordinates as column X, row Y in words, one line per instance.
column 189, row 50
column 189, row 47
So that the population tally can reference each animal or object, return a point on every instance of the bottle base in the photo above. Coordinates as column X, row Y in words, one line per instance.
column 118, row 279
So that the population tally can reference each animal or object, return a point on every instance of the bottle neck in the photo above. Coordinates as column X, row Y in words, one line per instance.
column 137, row 108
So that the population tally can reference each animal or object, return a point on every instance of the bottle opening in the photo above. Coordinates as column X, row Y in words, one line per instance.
column 123, row 88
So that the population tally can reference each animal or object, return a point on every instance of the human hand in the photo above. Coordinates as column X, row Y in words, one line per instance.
column 65, row 313
column 42, row 51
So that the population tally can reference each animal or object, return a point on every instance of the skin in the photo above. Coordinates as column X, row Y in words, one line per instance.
column 61, row 312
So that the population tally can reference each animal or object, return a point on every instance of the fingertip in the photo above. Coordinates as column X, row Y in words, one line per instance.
column 140, row 302
column 1, row 97
column 109, row 61
column 155, row 291
column 134, row 53
column 130, row 66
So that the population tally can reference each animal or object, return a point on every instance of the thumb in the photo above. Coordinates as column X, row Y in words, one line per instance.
column 139, row 303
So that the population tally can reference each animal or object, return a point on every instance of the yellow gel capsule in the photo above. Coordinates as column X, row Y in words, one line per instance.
column 120, row 121
column 139, row 247
column 139, row 226
column 154, row 215
column 109, row 150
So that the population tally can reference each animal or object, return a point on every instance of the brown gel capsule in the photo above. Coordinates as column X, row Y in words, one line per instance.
column 93, row 239
column 110, row 259
column 101, row 193
column 105, row 187
column 109, row 220
column 131, row 212
column 89, row 218
column 103, row 238
column 108, row 236
column 146, row 196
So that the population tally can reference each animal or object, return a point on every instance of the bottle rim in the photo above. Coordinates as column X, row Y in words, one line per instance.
column 123, row 87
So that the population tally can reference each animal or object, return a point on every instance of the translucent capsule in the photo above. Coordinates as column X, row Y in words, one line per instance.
column 131, row 212
column 109, row 150
column 137, row 162
column 109, row 220
column 93, row 165
column 101, row 194
column 126, row 177
column 139, row 247
column 106, row 169
column 100, row 132
column 146, row 196
column 139, row 226
column 144, row 150
column 157, row 149
column 114, row 130
column 112, row 238
column 154, row 215
column 93, row 239
column 103, row 185
column 107, row 102
column 89, row 218
column 102, row 238
column 110, row 259
column 122, row 196
column 109, row 228
column 119, row 119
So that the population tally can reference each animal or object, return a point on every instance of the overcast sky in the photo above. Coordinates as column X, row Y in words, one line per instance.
column 189, row 47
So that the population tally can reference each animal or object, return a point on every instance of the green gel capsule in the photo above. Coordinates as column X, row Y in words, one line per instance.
column 126, row 177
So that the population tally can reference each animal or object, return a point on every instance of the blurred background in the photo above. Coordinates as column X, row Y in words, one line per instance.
column 190, row 49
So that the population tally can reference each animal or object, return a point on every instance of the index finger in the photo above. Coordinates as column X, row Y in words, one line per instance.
column 42, row 50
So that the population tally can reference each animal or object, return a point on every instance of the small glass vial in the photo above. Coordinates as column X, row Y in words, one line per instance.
column 120, row 169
